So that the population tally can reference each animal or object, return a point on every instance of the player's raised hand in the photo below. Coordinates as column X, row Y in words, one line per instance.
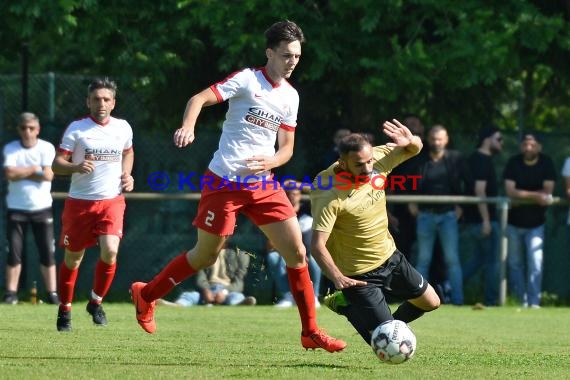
column 183, row 137
column 398, row 132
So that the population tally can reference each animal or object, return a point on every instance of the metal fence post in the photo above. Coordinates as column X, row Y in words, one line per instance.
column 51, row 96
column 504, row 214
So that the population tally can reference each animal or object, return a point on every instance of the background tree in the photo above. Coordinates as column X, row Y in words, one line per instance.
column 457, row 63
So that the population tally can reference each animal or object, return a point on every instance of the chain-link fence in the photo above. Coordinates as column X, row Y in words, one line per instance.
column 157, row 230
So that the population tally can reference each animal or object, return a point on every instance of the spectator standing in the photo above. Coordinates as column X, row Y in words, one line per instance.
column 443, row 172
column 529, row 176
column 402, row 222
column 276, row 264
column 481, row 224
column 262, row 114
column 97, row 151
column 27, row 167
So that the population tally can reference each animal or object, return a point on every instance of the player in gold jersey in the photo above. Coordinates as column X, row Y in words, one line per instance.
column 351, row 241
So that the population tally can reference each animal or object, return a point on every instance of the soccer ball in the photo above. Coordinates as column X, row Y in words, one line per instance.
column 393, row 342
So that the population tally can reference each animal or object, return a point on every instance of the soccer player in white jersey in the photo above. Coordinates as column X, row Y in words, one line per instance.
column 27, row 167
column 262, row 110
column 97, row 151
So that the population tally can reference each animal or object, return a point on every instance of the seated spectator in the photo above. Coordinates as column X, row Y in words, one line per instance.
column 219, row 284
column 276, row 264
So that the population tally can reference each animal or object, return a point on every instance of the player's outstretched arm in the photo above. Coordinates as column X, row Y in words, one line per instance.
column 184, row 135
column 323, row 257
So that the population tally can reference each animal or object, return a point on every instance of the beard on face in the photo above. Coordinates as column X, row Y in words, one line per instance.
column 436, row 149
column 530, row 156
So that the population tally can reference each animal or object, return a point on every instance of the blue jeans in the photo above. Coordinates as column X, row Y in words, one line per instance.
column 194, row 298
column 485, row 254
column 525, row 248
column 278, row 270
column 444, row 224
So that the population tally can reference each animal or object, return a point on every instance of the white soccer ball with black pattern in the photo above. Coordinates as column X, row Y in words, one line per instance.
column 393, row 342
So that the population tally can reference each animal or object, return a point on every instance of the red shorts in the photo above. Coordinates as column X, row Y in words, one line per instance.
column 262, row 202
column 83, row 221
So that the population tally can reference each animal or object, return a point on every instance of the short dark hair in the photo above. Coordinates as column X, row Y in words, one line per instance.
column 352, row 143
column 532, row 135
column 102, row 83
column 486, row 131
column 283, row 31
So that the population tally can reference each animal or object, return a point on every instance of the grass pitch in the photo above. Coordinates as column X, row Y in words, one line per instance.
column 262, row 342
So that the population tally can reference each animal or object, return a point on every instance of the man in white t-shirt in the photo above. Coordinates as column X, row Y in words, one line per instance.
column 27, row 167
column 97, row 151
column 262, row 111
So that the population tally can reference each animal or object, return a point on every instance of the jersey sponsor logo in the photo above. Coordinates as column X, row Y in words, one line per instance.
column 373, row 197
column 262, row 118
column 103, row 154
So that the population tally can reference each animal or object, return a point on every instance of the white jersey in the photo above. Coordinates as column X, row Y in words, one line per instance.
column 104, row 145
column 257, row 109
column 26, row 194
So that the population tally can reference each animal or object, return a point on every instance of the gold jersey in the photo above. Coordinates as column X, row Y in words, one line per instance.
column 355, row 214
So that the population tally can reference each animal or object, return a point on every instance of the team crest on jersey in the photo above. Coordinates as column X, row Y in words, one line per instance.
column 262, row 118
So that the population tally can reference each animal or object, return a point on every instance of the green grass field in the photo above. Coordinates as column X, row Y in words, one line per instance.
column 263, row 343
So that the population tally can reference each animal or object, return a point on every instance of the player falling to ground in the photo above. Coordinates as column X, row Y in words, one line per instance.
column 351, row 241
column 262, row 110
column 98, row 153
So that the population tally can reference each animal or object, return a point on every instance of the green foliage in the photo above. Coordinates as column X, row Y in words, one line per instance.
column 263, row 343
column 457, row 63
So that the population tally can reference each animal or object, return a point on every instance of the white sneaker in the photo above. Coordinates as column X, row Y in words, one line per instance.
column 317, row 303
column 286, row 301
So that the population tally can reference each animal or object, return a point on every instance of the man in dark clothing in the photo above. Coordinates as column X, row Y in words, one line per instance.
column 530, row 176
column 481, row 225
column 402, row 223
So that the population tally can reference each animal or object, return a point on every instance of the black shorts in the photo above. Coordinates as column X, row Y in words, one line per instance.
column 368, row 307
column 41, row 222
column 396, row 277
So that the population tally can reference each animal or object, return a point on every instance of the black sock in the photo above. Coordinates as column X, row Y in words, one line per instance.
column 408, row 312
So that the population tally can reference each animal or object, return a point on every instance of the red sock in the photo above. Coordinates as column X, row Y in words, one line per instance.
column 304, row 295
column 66, row 283
column 174, row 273
column 104, row 274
